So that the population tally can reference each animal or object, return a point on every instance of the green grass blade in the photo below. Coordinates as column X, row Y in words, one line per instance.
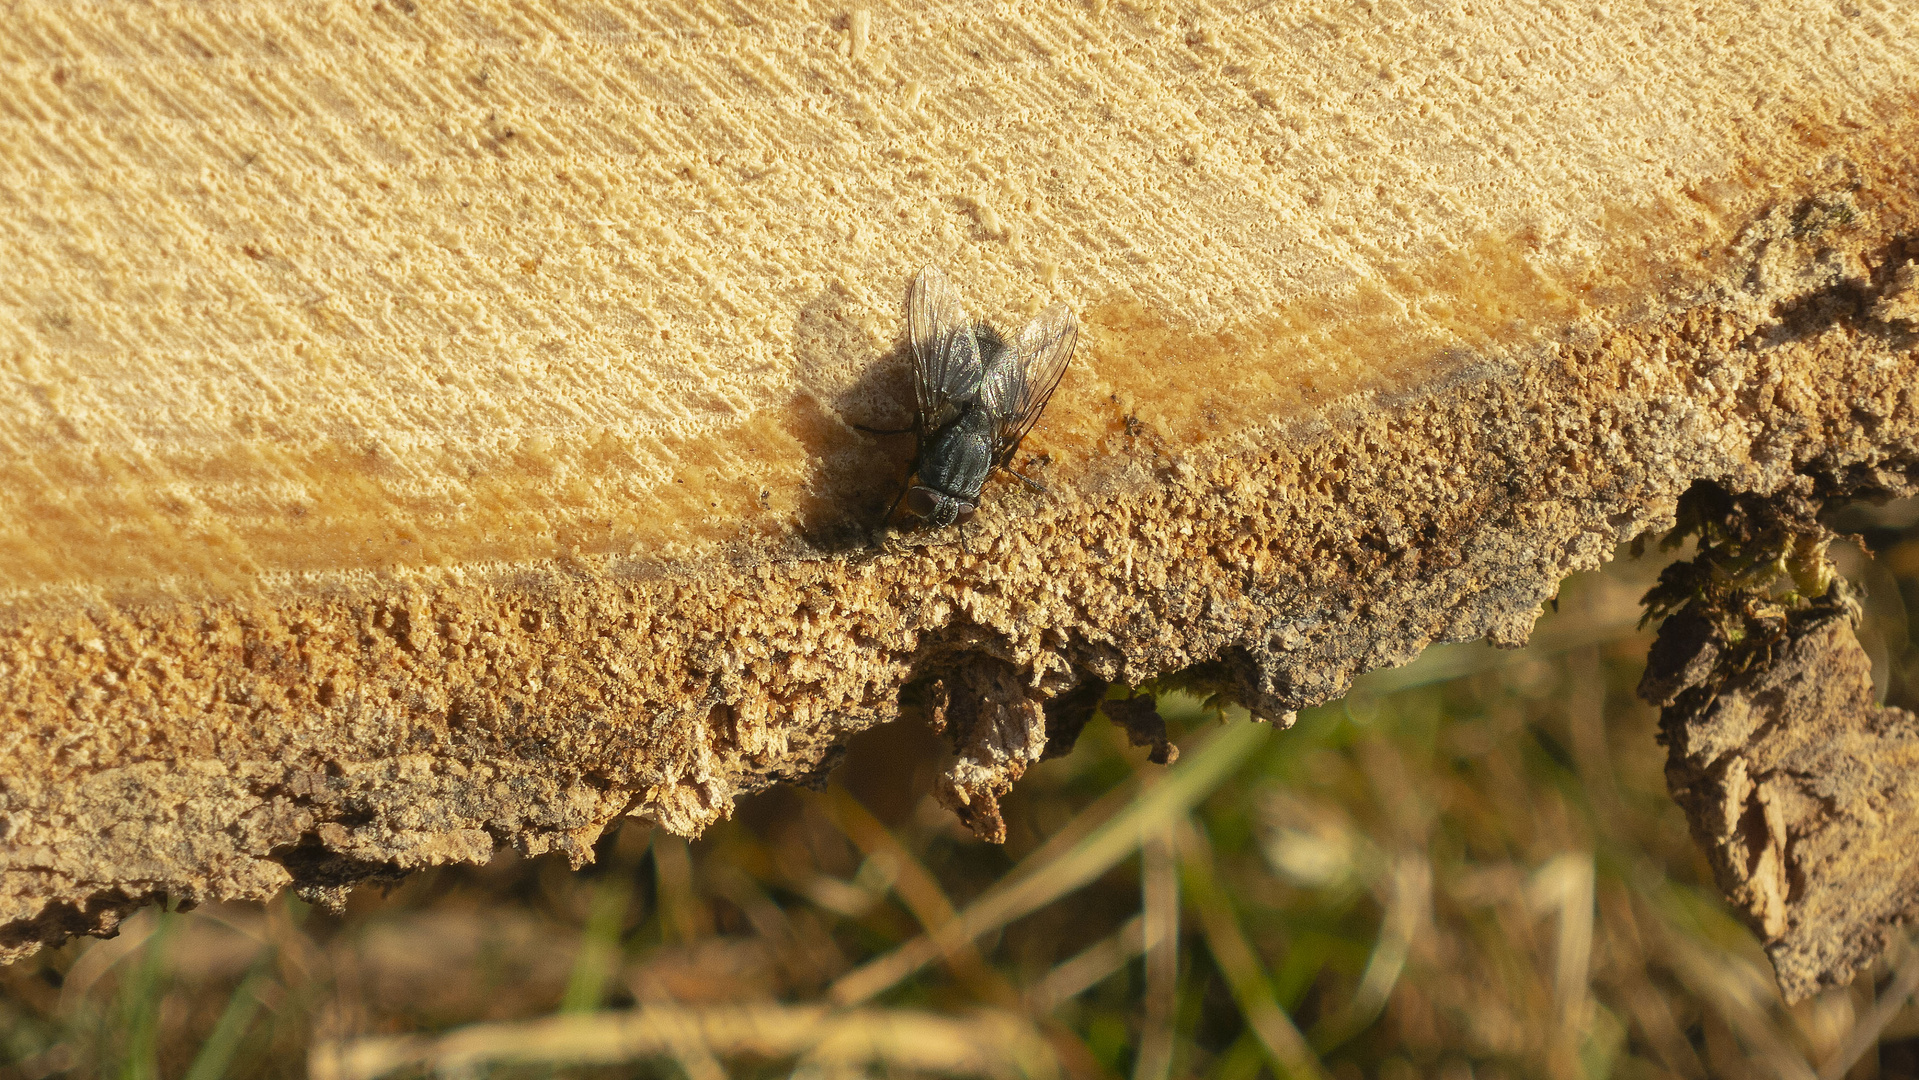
column 1286, row 1049
column 599, row 955
column 140, row 1003
column 223, row 1042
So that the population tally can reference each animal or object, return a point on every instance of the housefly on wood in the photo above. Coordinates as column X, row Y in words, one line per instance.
column 975, row 396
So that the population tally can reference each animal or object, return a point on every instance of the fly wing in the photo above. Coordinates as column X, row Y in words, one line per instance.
column 1015, row 390
column 946, row 357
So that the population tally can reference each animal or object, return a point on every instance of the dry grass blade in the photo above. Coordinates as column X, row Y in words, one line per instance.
column 1564, row 888
column 1088, row 968
column 691, row 1053
column 687, row 1043
column 916, row 887
column 1905, row 982
column 1286, row 1049
column 1636, row 991
column 1159, row 890
column 1742, row 997
column 990, row 1044
column 1409, row 900
column 986, row 1044
column 1045, row 877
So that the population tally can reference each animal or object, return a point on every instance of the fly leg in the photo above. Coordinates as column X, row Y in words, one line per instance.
column 964, row 546
column 1029, row 482
column 884, row 431
column 897, row 499
column 905, row 486
column 872, row 534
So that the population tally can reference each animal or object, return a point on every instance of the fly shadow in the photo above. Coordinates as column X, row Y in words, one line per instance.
column 844, row 382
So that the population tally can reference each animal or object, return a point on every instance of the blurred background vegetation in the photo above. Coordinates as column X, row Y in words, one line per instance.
column 1468, row 867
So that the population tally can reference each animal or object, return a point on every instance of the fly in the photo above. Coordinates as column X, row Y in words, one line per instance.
column 975, row 396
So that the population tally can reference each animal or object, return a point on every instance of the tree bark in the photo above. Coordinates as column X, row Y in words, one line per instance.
column 431, row 429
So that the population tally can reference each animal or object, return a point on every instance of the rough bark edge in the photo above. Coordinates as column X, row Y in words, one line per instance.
column 1794, row 780
column 1289, row 590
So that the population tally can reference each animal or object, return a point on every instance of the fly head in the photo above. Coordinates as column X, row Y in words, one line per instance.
column 937, row 508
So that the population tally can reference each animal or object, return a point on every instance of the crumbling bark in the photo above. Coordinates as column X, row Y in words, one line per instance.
column 1796, row 781
column 1799, row 786
column 458, row 451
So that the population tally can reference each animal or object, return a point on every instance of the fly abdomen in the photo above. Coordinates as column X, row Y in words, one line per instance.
column 959, row 455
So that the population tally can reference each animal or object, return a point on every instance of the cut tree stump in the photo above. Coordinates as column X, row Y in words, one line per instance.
column 430, row 427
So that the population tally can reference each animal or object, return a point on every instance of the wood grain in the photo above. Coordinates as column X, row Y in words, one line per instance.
column 425, row 428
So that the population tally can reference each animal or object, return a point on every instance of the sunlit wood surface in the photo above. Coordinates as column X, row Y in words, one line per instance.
column 428, row 427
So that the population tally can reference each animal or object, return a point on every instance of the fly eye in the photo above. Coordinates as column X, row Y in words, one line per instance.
column 920, row 502
column 965, row 512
